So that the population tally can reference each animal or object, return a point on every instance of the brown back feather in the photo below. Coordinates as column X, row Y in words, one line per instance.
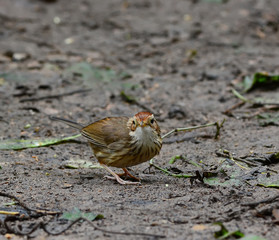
column 108, row 131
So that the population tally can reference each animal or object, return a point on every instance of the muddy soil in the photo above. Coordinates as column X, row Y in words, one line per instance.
column 178, row 59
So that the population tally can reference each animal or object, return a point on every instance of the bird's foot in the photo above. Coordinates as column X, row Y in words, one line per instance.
column 118, row 178
column 121, row 181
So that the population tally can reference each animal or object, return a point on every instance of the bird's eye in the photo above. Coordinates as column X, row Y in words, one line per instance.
column 134, row 123
column 152, row 121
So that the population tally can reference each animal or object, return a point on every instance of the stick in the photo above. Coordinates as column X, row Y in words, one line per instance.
column 238, row 95
column 54, row 96
column 43, row 225
column 227, row 154
column 168, row 172
column 218, row 126
column 12, row 216
column 132, row 100
column 9, row 213
column 38, row 211
column 267, row 200
column 244, row 99
column 237, row 105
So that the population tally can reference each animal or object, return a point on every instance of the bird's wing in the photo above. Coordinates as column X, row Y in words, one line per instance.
column 108, row 133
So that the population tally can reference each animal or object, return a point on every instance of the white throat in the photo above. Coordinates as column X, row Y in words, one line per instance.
column 144, row 135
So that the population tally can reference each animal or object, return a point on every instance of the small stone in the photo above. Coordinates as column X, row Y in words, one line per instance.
column 69, row 40
column 176, row 112
column 34, row 65
column 20, row 56
column 57, row 20
column 156, row 41
column 212, row 74
column 4, row 59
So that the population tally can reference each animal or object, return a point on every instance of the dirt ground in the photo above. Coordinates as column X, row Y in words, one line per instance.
column 178, row 59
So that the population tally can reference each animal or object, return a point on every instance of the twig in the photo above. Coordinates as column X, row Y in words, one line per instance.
column 16, row 19
column 218, row 126
column 22, row 204
column 168, row 172
column 227, row 154
column 252, row 101
column 54, row 96
column 132, row 100
column 12, row 217
column 123, row 233
column 229, row 110
column 242, row 98
column 261, row 110
column 16, row 199
column 9, row 213
column 43, row 225
column 38, row 41
column 267, row 200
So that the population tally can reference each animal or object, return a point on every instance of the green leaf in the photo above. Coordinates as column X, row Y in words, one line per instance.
column 90, row 73
column 266, row 119
column 259, row 79
column 248, row 83
column 269, row 184
column 17, row 144
column 27, row 126
column 76, row 214
column 96, row 77
column 80, row 163
column 220, row 182
column 127, row 98
column 223, row 233
column 16, row 77
column 170, row 173
column 252, row 237
column 9, row 203
column 174, row 158
column 129, row 85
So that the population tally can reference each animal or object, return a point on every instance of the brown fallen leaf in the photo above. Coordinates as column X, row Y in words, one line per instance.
column 275, row 213
column 199, row 227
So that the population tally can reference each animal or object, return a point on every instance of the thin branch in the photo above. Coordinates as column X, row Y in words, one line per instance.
column 189, row 128
column 168, row 172
column 22, row 204
column 54, row 96
column 227, row 154
column 123, row 233
column 267, row 200
column 43, row 225
column 228, row 112
column 242, row 98
column 9, row 213
column 218, row 128
column 16, row 199
column 252, row 101
column 132, row 100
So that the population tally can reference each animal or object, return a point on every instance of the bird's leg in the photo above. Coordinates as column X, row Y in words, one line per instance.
column 127, row 173
column 118, row 179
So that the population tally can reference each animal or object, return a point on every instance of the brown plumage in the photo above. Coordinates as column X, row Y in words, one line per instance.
column 121, row 141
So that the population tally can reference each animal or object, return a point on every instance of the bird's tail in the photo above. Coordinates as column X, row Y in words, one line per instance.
column 68, row 122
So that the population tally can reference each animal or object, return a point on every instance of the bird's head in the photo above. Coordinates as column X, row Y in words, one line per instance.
column 142, row 120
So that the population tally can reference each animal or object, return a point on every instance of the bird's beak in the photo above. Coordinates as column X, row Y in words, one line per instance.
column 143, row 124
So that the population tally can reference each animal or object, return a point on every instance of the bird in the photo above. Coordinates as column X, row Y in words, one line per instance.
column 121, row 142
